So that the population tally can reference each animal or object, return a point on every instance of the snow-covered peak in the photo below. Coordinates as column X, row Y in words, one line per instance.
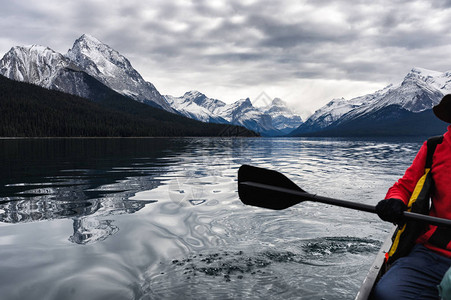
column 236, row 109
column 278, row 102
column 200, row 99
column 99, row 57
column 244, row 103
column 424, row 73
column 114, row 70
column 87, row 38
column 278, row 107
column 437, row 80
column 196, row 97
column 34, row 53
column 186, row 105
column 420, row 90
column 274, row 119
column 34, row 49
column 337, row 108
column 334, row 110
column 34, row 64
column 283, row 118
column 192, row 95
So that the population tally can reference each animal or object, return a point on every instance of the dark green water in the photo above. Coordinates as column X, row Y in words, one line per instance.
column 161, row 218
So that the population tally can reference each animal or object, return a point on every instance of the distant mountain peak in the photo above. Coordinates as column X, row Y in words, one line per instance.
column 246, row 101
column 194, row 95
column 278, row 102
column 243, row 104
column 198, row 106
column 274, row 119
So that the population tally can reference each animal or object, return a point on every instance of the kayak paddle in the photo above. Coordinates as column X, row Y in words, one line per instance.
column 270, row 189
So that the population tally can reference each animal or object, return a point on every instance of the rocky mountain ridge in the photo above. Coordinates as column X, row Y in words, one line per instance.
column 415, row 96
column 90, row 58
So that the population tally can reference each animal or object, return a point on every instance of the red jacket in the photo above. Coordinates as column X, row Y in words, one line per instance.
column 441, row 197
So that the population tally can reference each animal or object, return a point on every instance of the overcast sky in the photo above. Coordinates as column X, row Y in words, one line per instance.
column 305, row 52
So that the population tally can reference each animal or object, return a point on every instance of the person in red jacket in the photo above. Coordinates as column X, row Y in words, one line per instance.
column 417, row 275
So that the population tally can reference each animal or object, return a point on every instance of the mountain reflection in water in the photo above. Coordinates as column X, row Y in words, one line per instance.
column 86, row 180
column 153, row 218
column 88, row 227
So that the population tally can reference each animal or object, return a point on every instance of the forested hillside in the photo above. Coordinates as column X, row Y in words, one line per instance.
column 27, row 110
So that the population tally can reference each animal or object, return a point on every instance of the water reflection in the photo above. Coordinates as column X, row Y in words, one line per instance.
column 33, row 210
column 88, row 230
column 161, row 218
column 86, row 180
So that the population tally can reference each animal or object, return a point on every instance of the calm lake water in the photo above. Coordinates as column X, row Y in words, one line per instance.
column 161, row 218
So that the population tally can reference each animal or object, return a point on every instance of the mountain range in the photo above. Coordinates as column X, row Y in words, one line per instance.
column 28, row 110
column 47, row 68
column 401, row 109
column 398, row 109
column 44, row 67
column 47, row 94
column 273, row 119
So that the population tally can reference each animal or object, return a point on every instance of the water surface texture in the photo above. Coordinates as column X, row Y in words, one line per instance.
column 161, row 219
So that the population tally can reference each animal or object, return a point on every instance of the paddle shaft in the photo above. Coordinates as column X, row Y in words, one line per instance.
column 304, row 196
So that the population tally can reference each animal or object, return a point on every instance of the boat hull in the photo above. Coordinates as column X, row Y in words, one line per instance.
column 377, row 269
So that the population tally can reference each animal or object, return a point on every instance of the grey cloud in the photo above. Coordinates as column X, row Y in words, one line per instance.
column 441, row 3
column 264, row 41
column 413, row 39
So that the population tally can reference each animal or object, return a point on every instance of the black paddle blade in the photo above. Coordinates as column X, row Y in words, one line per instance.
column 263, row 197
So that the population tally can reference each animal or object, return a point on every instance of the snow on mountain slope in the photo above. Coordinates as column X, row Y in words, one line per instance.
column 33, row 64
column 89, row 57
column 420, row 90
column 243, row 113
column 283, row 118
column 44, row 67
column 331, row 112
column 438, row 80
column 212, row 105
column 114, row 70
column 197, row 106
column 274, row 119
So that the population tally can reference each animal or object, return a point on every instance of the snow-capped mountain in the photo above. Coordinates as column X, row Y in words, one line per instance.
column 212, row 105
column 420, row 90
column 114, row 70
column 90, row 62
column 243, row 113
column 283, row 118
column 34, row 64
column 274, row 119
column 44, row 67
column 68, row 73
column 197, row 106
column 336, row 108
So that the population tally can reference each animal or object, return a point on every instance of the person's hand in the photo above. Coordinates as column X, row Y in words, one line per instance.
column 391, row 210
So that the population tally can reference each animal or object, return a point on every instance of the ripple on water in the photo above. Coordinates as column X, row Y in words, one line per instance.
column 338, row 245
column 222, row 271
